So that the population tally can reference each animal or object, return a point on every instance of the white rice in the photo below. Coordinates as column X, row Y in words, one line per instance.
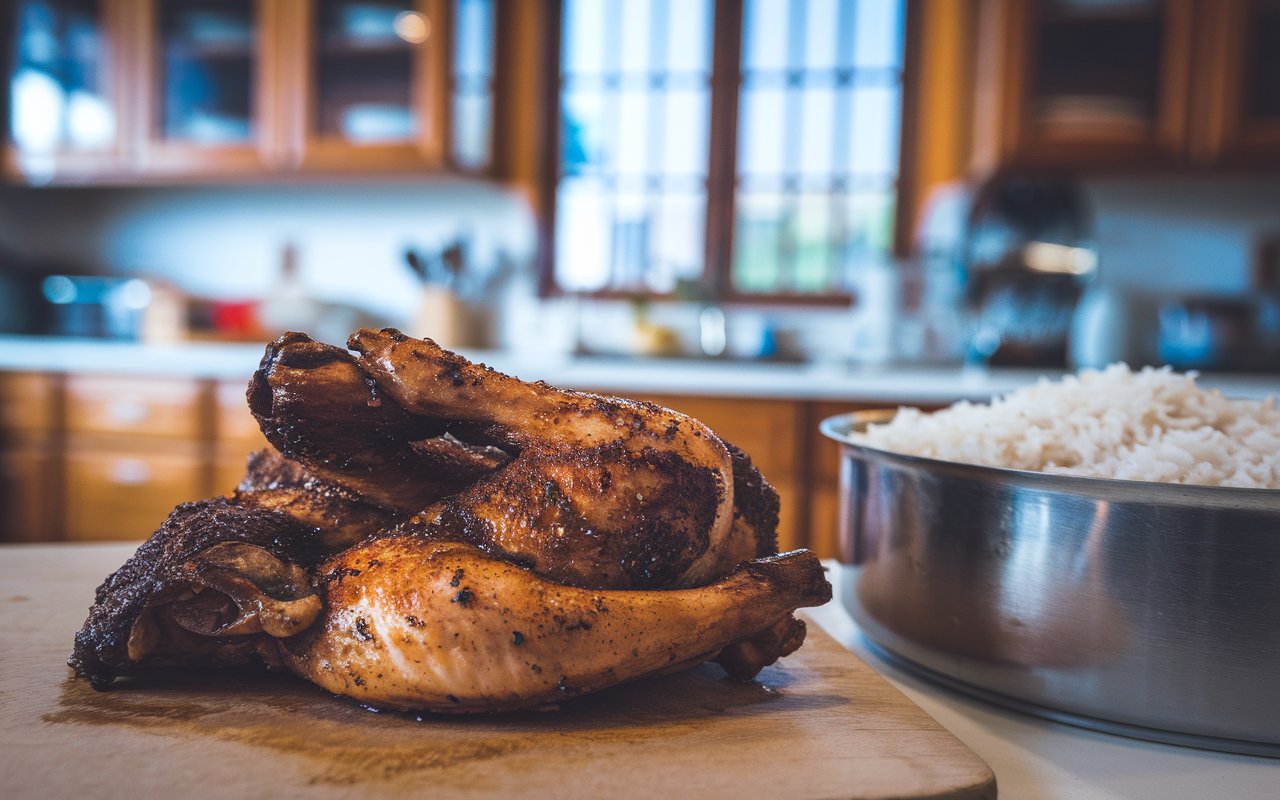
column 1153, row 425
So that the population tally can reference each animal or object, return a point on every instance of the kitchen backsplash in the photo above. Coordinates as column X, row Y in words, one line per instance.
column 1185, row 234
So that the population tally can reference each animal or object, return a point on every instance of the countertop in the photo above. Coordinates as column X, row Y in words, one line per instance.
column 612, row 374
column 1038, row 759
column 1032, row 759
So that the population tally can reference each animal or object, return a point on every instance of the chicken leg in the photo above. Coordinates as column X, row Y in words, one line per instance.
column 442, row 626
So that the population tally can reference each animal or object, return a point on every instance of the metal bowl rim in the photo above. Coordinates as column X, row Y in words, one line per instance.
column 840, row 429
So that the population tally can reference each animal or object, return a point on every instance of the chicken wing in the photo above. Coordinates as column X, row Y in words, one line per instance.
column 317, row 407
column 442, row 626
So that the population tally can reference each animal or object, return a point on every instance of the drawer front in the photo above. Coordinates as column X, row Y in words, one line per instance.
column 228, row 469
column 824, row 520
column 159, row 407
column 791, row 534
column 27, row 402
column 112, row 495
column 233, row 424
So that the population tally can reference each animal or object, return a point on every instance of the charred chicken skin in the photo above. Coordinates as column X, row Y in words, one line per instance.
column 431, row 534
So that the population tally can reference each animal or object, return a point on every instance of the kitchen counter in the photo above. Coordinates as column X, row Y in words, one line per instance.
column 620, row 375
column 1038, row 759
column 1032, row 759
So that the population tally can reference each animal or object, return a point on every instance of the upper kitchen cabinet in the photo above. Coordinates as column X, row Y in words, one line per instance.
column 1105, row 84
column 145, row 90
column 368, row 83
column 65, row 90
column 1083, row 83
column 1241, row 87
column 210, row 84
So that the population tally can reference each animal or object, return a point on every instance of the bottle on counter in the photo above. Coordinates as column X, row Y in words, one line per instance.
column 289, row 306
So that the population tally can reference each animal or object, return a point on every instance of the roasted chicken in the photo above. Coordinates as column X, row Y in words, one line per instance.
column 431, row 534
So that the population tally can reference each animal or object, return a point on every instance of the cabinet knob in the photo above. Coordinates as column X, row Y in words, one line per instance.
column 130, row 472
column 128, row 412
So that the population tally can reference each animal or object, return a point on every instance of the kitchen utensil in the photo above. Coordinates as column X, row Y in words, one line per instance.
column 1137, row 608
column 820, row 723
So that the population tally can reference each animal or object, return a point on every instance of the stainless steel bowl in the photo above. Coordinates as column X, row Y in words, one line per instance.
column 1147, row 609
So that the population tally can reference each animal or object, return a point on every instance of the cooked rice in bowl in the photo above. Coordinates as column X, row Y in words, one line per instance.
column 1153, row 425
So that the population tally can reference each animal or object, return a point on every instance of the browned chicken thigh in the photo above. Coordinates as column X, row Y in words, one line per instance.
column 436, row 535
column 603, row 492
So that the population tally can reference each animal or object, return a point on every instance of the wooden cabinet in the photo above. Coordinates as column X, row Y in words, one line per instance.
column 209, row 88
column 86, row 457
column 128, row 407
column 143, row 90
column 117, row 492
column 236, row 435
column 772, row 433
column 65, row 93
column 98, row 457
column 1083, row 84
column 1240, row 88
column 29, row 412
column 1126, row 84
column 135, row 447
column 367, row 84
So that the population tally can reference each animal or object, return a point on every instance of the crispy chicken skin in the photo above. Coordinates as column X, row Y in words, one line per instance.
column 339, row 516
column 197, row 591
column 443, row 626
column 432, row 534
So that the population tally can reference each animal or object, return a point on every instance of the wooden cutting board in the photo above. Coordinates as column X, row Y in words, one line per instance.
column 820, row 724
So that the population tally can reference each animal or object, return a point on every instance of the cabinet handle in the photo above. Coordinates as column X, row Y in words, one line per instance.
column 128, row 412
column 130, row 472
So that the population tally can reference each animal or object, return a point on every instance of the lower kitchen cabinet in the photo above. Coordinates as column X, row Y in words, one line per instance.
column 28, row 493
column 29, row 412
column 125, row 493
column 236, row 435
column 771, row 432
column 134, row 448
column 108, row 457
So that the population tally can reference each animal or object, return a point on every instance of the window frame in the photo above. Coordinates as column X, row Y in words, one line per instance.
column 721, row 190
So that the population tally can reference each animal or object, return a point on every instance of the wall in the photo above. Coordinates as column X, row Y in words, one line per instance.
column 225, row 242
column 1184, row 234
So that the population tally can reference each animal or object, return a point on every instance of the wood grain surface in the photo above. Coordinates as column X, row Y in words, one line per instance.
column 820, row 724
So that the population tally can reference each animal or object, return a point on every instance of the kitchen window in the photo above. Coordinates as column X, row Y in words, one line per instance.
column 734, row 150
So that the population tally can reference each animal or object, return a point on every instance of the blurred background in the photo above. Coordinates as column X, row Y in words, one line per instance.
column 758, row 211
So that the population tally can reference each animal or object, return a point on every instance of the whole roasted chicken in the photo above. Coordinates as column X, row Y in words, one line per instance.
column 430, row 534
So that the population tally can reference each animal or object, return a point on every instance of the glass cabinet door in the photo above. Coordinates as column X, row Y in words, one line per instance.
column 471, row 84
column 1096, row 82
column 205, row 96
column 1096, row 70
column 375, row 75
column 1262, row 83
column 1243, row 122
column 63, row 105
column 208, row 58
